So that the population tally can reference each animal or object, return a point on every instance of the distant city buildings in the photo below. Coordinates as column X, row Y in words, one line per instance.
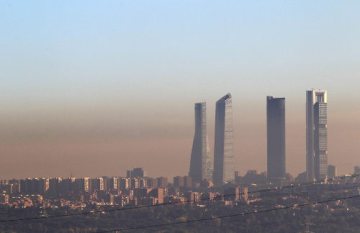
column 332, row 171
column 220, row 169
column 276, row 171
column 205, row 171
column 162, row 182
column 34, row 185
column 135, row 172
column 357, row 170
column 251, row 177
column 223, row 150
column 316, row 135
column 201, row 164
column 83, row 185
column 86, row 192
column 223, row 160
column 182, row 182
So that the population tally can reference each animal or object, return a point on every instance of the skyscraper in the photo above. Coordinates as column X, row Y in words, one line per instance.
column 316, row 134
column 223, row 152
column 276, row 170
column 201, row 163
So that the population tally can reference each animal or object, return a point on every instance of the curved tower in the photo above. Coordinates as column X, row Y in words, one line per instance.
column 201, row 162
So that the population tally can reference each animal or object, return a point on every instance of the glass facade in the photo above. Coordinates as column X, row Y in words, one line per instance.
column 316, row 134
column 321, row 160
column 223, row 150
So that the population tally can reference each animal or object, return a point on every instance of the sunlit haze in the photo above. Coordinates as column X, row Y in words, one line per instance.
column 104, row 86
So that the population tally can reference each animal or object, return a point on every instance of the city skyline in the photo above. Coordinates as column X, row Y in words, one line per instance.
column 93, row 88
column 179, row 116
column 317, row 103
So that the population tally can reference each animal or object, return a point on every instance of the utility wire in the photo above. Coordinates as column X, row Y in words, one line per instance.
column 217, row 198
column 229, row 216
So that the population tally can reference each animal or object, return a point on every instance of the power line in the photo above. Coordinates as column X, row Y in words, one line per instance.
column 291, row 186
column 164, row 204
column 229, row 216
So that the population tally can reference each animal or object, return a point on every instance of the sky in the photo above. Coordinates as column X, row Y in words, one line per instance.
column 93, row 88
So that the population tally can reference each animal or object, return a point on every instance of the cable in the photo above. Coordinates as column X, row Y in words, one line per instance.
column 169, row 203
column 164, row 204
column 230, row 215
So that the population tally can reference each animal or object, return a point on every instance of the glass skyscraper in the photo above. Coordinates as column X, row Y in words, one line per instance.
column 223, row 150
column 316, row 135
column 201, row 163
column 275, row 110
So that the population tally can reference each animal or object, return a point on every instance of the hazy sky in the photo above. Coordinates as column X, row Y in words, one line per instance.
column 96, row 87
